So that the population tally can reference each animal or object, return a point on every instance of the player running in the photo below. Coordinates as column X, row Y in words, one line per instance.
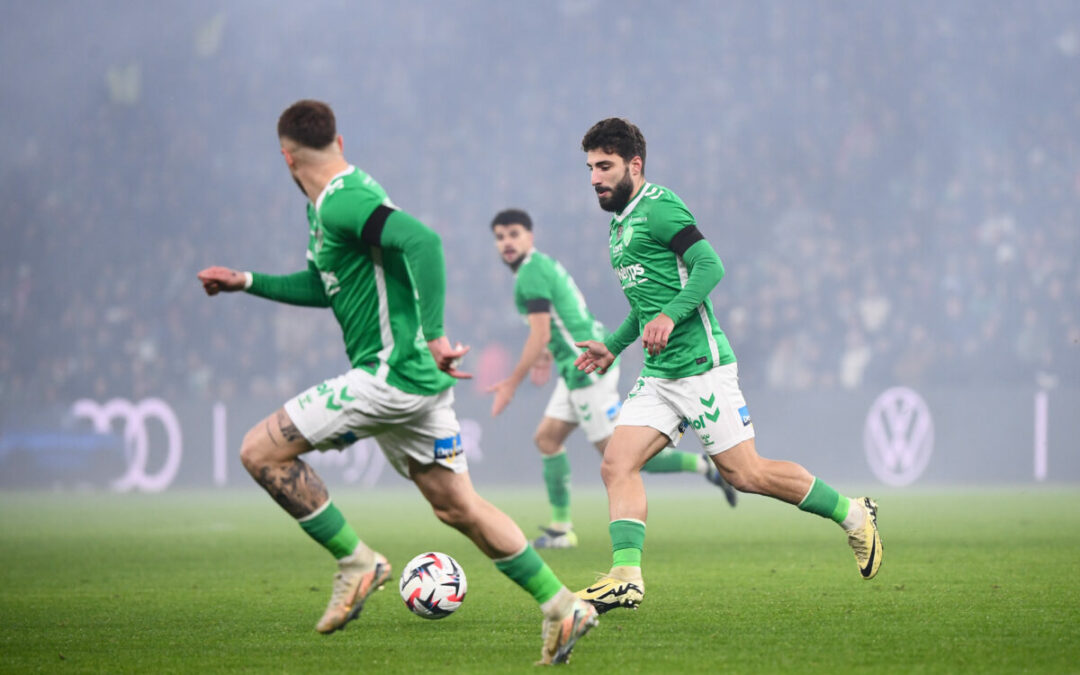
column 690, row 379
column 557, row 316
column 383, row 274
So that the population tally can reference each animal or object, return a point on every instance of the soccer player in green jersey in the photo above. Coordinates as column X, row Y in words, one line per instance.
column 667, row 268
column 383, row 274
column 545, row 293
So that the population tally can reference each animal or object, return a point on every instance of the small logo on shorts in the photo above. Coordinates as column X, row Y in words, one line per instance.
column 613, row 411
column 701, row 359
column 448, row 448
column 744, row 413
column 684, row 425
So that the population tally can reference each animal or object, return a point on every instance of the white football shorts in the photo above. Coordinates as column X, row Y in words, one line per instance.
column 344, row 409
column 594, row 407
column 710, row 403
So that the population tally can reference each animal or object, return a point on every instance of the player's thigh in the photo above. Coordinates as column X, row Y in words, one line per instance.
column 443, row 488
column 712, row 405
column 274, row 439
column 738, row 459
column 551, row 433
column 630, row 447
column 339, row 411
column 432, row 436
column 559, row 406
column 645, row 407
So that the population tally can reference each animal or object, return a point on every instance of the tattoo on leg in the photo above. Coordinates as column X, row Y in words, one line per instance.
column 287, row 428
column 294, row 486
column 271, row 435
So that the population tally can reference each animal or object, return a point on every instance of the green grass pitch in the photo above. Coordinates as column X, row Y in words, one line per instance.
column 974, row 581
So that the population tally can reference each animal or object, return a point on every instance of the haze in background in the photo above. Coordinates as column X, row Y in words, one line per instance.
column 893, row 189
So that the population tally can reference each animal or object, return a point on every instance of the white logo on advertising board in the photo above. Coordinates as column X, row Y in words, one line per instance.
column 899, row 436
column 137, row 439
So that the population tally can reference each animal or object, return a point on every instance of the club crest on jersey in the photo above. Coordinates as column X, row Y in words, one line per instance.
column 627, row 235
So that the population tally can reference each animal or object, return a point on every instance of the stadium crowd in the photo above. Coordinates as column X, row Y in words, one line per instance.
column 892, row 205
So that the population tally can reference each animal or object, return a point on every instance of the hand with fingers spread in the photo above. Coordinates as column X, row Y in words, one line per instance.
column 654, row 335
column 596, row 357
column 221, row 279
column 447, row 358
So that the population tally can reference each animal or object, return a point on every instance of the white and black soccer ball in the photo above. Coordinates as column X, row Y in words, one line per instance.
column 433, row 585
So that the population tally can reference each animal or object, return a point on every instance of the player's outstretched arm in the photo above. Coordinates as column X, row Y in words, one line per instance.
column 541, row 370
column 303, row 288
column 222, row 280
column 535, row 347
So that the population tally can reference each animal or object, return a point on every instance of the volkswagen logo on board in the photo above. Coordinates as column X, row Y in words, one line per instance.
column 899, row 436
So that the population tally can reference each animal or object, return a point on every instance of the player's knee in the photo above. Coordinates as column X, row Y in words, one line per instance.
column 613, row 468
column 546, row 444
column 252, row 453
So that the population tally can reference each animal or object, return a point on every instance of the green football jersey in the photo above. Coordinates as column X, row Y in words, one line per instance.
column 651, row 275
column 370, row 288
column 541, row 282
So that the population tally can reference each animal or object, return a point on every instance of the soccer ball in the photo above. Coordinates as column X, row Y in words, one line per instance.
column 433, row 585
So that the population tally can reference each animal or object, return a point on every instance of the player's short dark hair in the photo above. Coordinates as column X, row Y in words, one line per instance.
column 617, row 136
column 309, row 123
column 510, row 217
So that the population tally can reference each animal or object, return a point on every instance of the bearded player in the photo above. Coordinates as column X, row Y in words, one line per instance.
column 689, row 379
column 546, row 295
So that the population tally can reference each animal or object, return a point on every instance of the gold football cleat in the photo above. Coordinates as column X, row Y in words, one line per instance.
column 866, row 542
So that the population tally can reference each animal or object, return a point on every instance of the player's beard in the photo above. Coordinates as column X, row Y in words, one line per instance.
column 515, row 263
column 299, row 185
column 620, row 195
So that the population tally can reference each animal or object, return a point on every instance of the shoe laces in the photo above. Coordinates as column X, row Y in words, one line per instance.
column 859, row 542
column 342, row 588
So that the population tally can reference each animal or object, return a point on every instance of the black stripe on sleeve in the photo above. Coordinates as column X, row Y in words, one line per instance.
column 538, row 305
column 372, row 232
column 684, row 239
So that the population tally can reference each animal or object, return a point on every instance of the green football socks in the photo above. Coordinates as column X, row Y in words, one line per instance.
column 328, row 527
column 557, row 479
column 528, row 570
column 672, row 461
column 627, row 542
column 825, row 502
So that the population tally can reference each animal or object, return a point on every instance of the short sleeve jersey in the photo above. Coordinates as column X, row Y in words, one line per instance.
column 370, row 288
column 543, row 284
column 652, row 274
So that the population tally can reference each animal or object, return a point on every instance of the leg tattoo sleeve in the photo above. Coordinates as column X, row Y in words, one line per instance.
column 295, row 486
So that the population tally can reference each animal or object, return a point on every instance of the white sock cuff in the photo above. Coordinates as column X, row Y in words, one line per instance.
column 314, row 514
column 511, row 557
column 630, row 520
